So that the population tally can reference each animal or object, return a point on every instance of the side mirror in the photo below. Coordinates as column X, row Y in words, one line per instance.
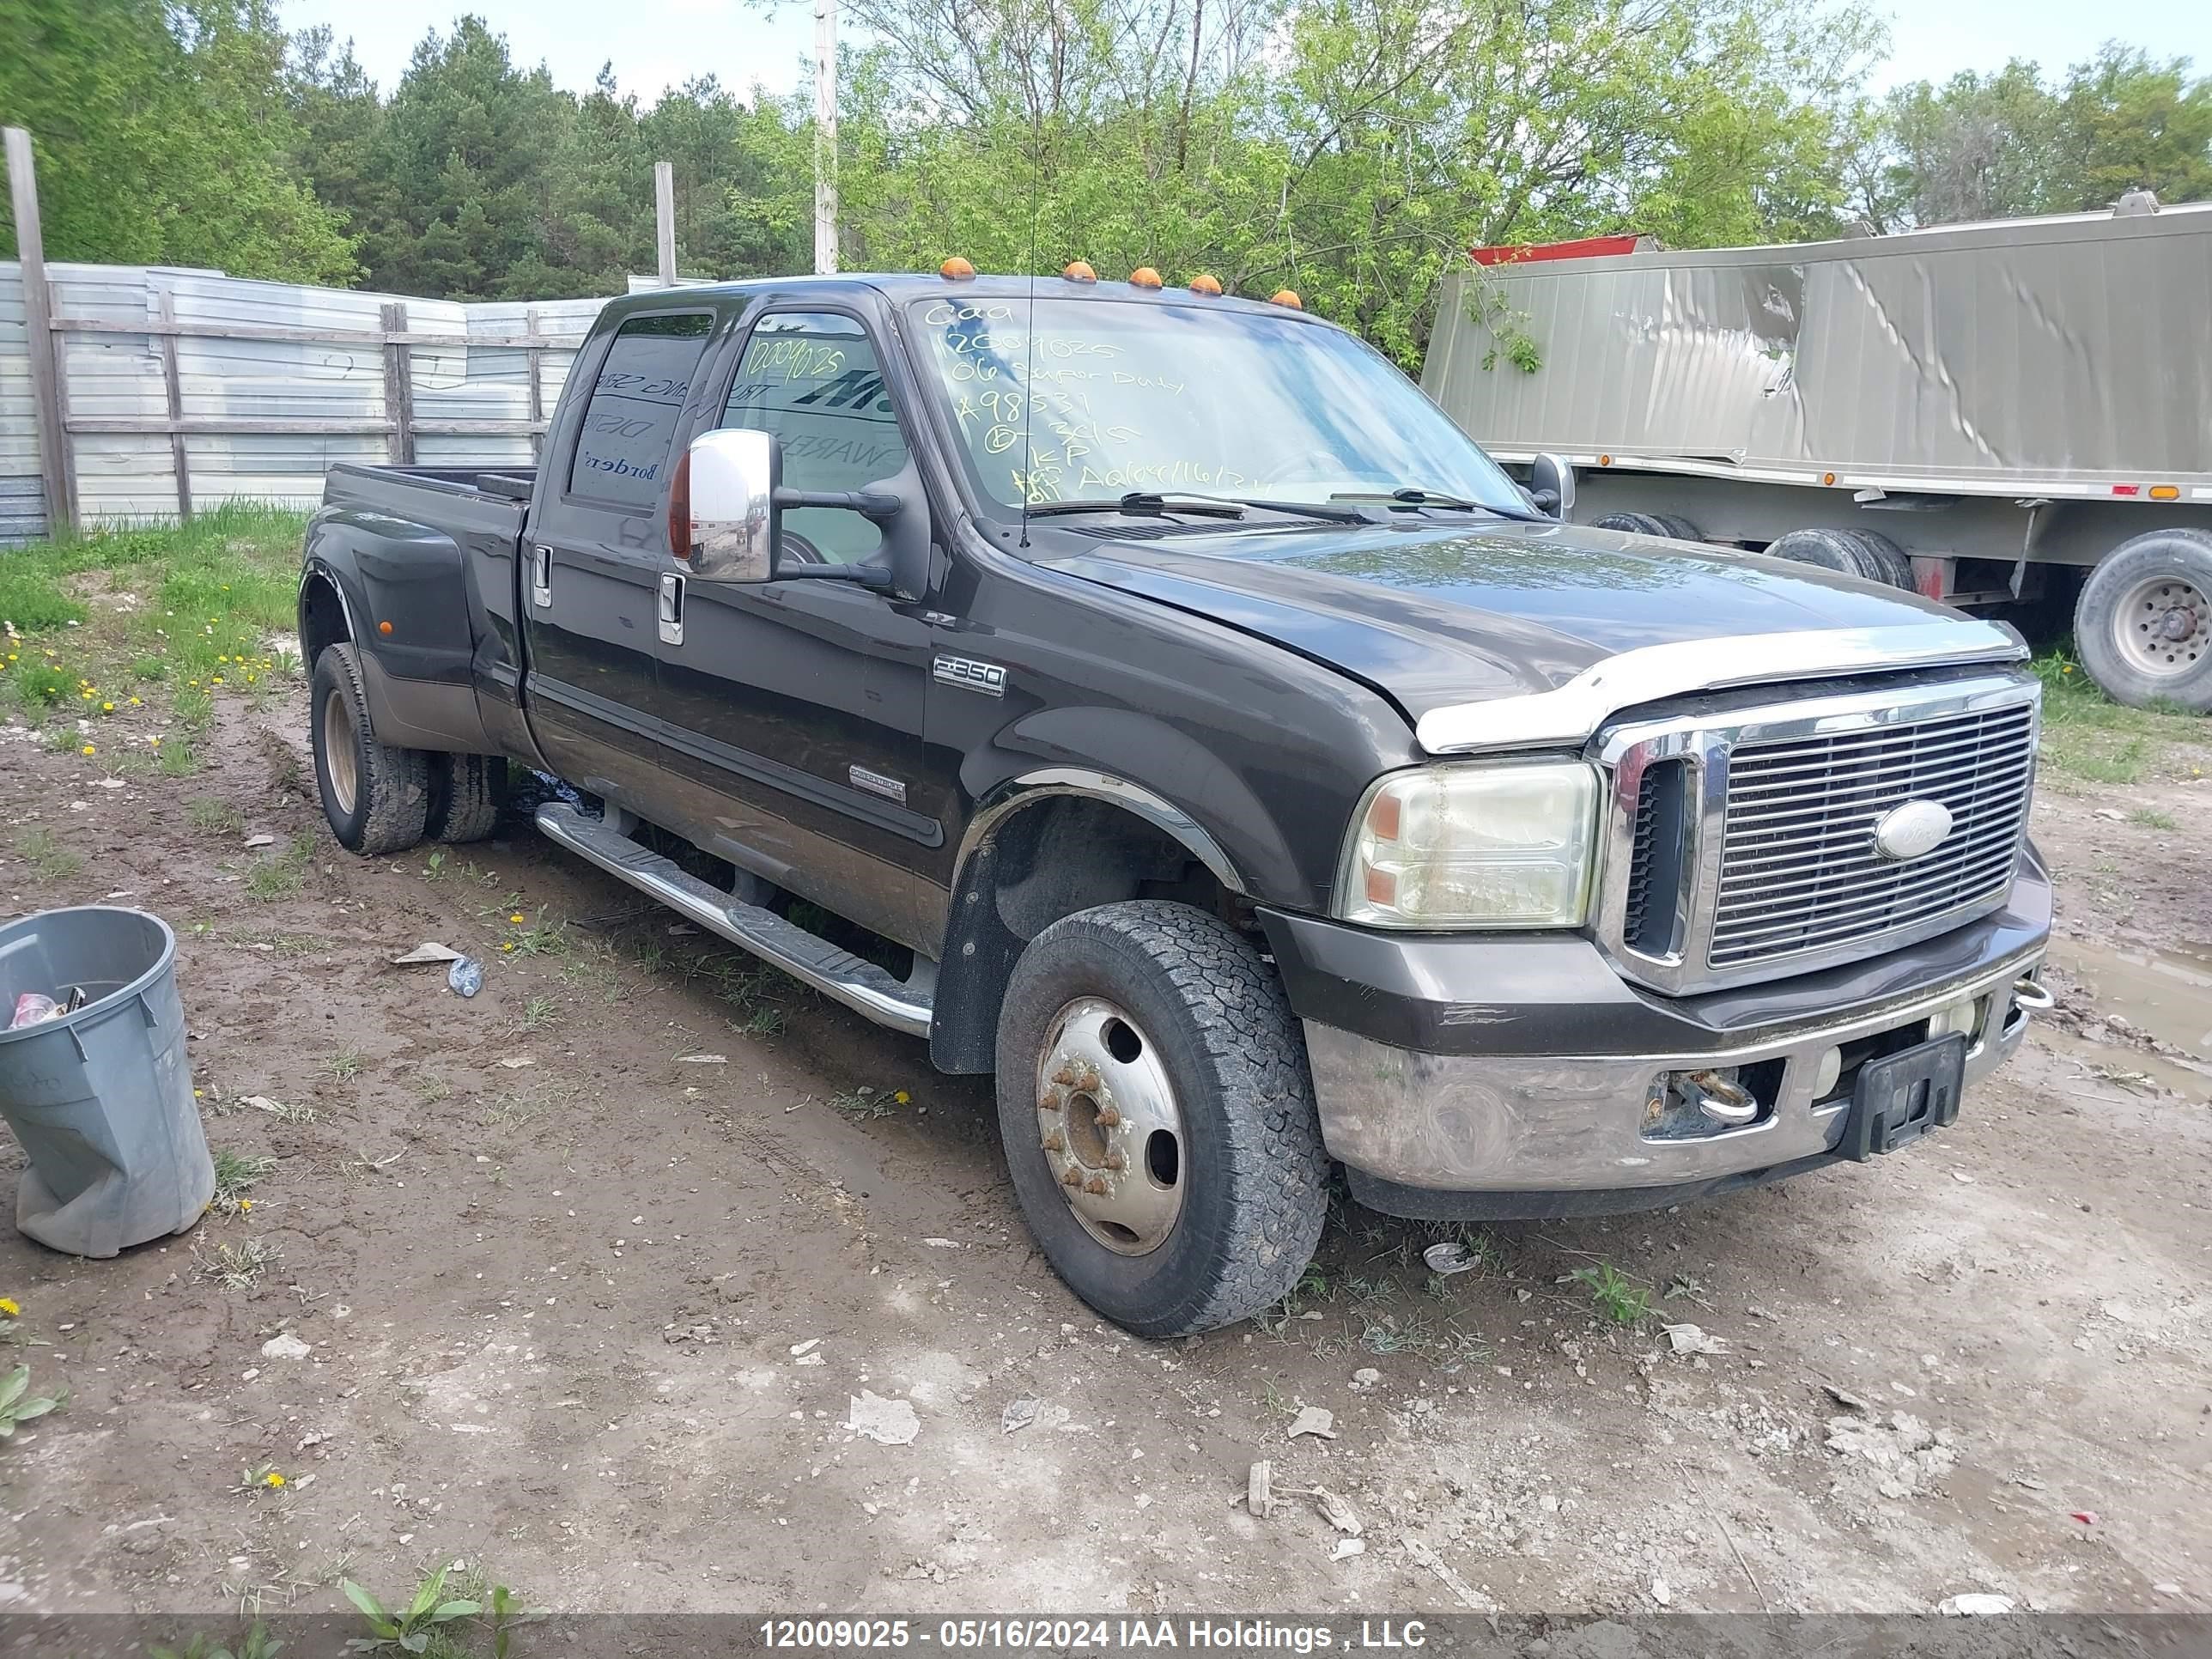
column 1552, row 485
column 722, row 511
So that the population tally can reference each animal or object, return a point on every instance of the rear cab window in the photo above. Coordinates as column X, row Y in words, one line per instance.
column 630, row 425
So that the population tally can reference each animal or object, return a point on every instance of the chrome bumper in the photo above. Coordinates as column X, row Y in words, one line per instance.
column 1478, row 1123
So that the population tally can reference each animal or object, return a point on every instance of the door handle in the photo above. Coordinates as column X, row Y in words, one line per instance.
column 671, row 607
column 541, row 576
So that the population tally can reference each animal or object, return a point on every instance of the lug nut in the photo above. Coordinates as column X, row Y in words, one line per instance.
column 1116, row 1161
column 1048, row 1100
column 1055, row 1142
column 1095, row 1186
column 1064, row 1076
column 1073, row 1178
column 1109, row 1117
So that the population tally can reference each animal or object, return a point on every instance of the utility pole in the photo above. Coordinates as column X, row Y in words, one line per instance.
column 663, row 220
column 825, row 137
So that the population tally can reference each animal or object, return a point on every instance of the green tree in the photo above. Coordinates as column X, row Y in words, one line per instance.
column 2124, row 122
column 163, row 137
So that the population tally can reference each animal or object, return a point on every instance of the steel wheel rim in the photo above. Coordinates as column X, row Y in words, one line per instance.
column 338, row 759
column 2164, row 626
column 1110, row 1128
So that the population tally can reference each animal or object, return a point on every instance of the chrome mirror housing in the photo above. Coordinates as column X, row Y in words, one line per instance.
column 1552, row 485
column 722, row 516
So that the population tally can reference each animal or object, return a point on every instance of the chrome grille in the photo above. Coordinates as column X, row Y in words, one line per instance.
column 1739, row 839
column 1799, row 871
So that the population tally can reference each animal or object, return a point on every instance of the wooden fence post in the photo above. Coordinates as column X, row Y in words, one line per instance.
column 535, row 357
column 172, row 385
column 399, row 386
column 49, row 395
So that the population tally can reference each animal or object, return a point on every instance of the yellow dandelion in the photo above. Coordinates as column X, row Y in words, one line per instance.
column 902, row 1097
column 516, row 917
column 8, row 1306
column 89, row 750
column 107, row 708
column 249, row 680
column 509, row 946
column 272, row 1479
column 135, row 703
column 215, row 679
column 197, row 1093
column 244, row 1203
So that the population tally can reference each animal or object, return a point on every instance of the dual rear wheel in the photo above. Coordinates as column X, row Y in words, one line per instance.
column 382, row 798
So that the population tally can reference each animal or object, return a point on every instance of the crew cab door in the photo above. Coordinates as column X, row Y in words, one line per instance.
column 793, row 707
column 593, row 555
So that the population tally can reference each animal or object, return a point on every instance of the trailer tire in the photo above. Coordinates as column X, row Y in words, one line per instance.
column 1885, row 559
column 1149, row 1047
column 1830, row 550
column 375, row 795
column 467, row 793
column 1636, row 524
column 2143, row 623
column 1678, row 528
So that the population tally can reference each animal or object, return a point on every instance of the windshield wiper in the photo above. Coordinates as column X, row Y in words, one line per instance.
column 1413, row 495
column 1153, row 504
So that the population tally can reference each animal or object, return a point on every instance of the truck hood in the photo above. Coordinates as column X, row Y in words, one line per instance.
column 1433, row 616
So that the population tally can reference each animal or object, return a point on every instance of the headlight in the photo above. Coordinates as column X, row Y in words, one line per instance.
column 1505, row 845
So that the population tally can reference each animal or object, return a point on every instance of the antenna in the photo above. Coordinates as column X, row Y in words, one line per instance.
column 1028, row 345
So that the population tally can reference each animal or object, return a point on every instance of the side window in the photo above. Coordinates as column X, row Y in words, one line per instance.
column 622, row 449
column 811, row 379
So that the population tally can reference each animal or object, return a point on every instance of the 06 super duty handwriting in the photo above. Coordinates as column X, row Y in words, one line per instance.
column 1177, row 717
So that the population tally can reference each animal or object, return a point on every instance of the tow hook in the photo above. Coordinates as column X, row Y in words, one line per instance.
column 2030, row 997
column 1719, row 1099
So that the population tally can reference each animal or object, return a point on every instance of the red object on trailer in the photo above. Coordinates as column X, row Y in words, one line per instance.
column 1584, row 247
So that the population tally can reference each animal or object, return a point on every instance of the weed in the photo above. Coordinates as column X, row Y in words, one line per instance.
column 48, row 856
column 258, row 1644
column 210, row 814
column 179, row 760
column 148, row 669
column 237, row 1174
column 764, row 1023
column 345, row 1064
column 409, row 1632
column 435, row 868
column 192, row 708
column 276, row 877
column 62, row 740
column 1393, row 1334
column 2151, row 818
column 261, row 1478
column 1618, row 1298
column 236, row 1267
column 39, row 685
column 18, row 1405
column 537, row 1011
column 547, row 938
column 865, row 1104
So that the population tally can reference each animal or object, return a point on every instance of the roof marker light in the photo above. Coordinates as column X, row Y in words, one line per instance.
column 1144, row 277
column 1080, row 270
column 1287, row 296
column 955, row 269
column 1205, row 283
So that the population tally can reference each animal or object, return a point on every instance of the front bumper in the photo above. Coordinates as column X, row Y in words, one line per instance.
column 1539, row 1098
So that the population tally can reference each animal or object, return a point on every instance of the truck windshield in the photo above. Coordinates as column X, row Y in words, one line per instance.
column 1164, row 397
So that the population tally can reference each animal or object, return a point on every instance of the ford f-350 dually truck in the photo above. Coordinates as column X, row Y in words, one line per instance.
column 1191, row 725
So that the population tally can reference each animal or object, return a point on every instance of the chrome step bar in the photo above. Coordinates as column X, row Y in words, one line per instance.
column 860, row 985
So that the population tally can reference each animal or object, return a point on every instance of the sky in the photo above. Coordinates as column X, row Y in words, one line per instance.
column 658, row 44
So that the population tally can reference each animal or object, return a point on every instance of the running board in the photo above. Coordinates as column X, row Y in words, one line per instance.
column 859, row 984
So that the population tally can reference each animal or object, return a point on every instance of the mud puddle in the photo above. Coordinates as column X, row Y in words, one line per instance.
column 2166, row 992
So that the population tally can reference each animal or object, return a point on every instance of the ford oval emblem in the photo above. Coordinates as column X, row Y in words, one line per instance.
column 1912, row 830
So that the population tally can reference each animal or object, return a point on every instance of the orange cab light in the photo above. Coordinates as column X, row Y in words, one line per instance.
column 1827, row 477
column 1144, row 277
column 384, row 628
column 1605, row 460
column 2166, row 492
column 1288, row 296
column 956, row 268
column 1204, row 283
column 1080, row 270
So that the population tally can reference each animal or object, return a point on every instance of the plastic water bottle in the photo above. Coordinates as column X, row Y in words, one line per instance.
column 465, row 976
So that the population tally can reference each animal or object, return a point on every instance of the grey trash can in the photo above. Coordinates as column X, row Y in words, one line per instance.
column 102, row 1099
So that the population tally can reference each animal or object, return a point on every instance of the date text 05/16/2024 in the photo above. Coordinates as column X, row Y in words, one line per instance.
column 1086, row 1635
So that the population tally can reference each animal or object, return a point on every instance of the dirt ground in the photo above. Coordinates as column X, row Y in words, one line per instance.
column 588, row 1269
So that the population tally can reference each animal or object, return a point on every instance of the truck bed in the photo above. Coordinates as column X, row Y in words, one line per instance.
column 467, row 504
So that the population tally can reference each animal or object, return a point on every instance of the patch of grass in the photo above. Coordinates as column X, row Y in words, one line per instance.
column 1618, row 1298
column 763, row 1023
column 865, row 1103
column 149, row 670
column 345, row 1064
column 236, row 1267
column 208, row 813
column 2088, row 736
column 32, row 600
column 256, row 1644
column 48, row 858
column 237, row 1174
column 280, row 875
column 193, row 708
column 537, row 1011
column 2151, row 818
column 179, row 760
column 38, row 684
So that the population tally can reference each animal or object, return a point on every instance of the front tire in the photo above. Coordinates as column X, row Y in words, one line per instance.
column 1158, row 1117
column 2143, row 621
column 375, row 795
